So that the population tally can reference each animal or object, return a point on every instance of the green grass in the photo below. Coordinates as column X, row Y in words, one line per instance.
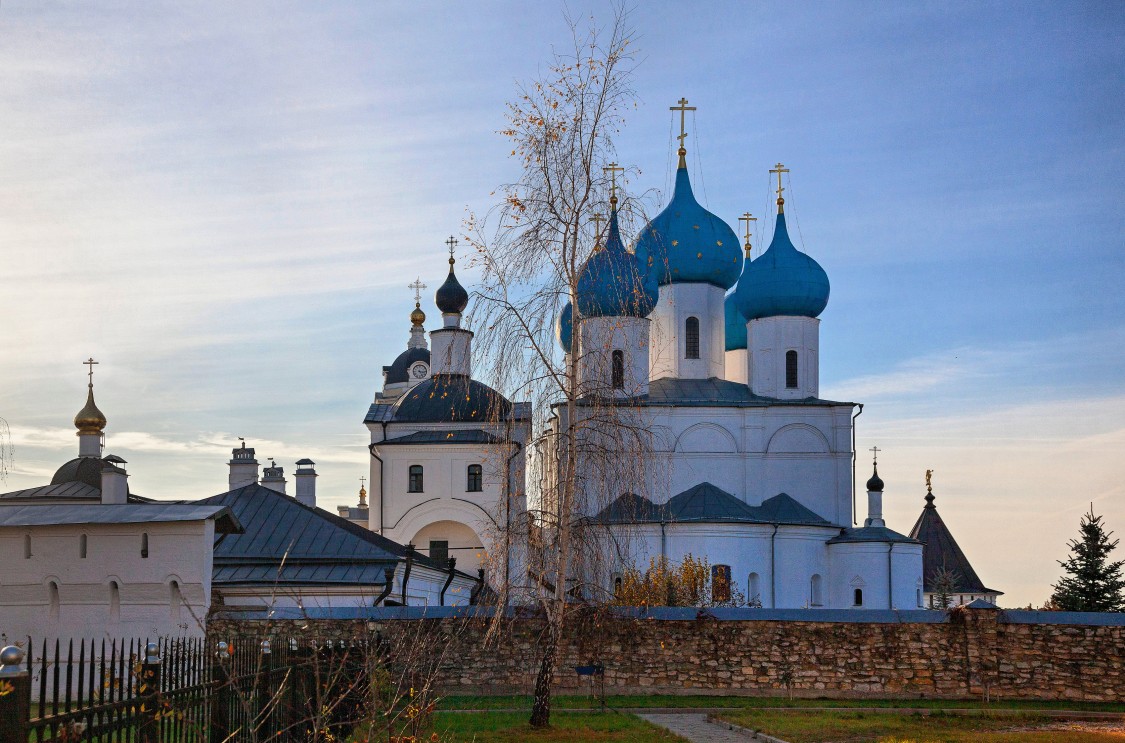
column 861, row 727
column 566, row 727
column 735, row 702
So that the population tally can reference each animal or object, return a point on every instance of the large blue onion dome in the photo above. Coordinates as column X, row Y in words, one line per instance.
column 612, row 282
column 564, row 327
column 782, row 281
column 735, row 325
column 686, row 243
column 451, row 298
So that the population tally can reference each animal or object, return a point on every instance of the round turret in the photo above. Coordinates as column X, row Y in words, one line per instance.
column 782, row 281
column 686, row 243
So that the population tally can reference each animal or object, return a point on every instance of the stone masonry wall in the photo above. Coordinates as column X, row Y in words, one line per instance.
column 972, row 655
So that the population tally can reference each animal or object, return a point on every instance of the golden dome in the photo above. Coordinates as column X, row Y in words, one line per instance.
column 362, row 497
column 89, row 418
column 417, row 316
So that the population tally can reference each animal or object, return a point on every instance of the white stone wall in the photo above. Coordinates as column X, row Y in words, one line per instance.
column 599, row 338
column 676, row 303
column 768, row 341
column 734, row 368
column 179, row 552
column 865, row 565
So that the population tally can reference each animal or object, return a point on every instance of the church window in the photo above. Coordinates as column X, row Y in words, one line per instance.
column 618, row 370
column 720, row 584
column 617, row 585
column 791, row 370
column 144, row 545
column 53, row 594
column 415, row 484
column 27, row 546
column 475, row 482
column 439, row 550
column 691, row 338
column 857, row 597
column 114, row 601
column 82, row 546
column 816, row 591
column 175, row 600
column 754, row 589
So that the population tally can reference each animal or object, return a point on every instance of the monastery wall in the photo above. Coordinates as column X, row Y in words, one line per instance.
column 967, row 653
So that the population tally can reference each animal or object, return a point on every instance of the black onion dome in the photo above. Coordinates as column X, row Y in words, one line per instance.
column 86, row 470
column 450, row 398
column 451, row 298
column 399, row 371
column 875, row 484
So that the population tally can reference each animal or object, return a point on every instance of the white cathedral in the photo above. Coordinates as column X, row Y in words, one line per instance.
column 717, row 356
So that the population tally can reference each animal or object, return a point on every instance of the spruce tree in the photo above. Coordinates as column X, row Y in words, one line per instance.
column 1091, row 583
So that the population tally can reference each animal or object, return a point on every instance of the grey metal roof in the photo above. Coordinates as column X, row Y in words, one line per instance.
column 707, row 503
column 457, row 436
column 126, row 513
column 86, row 470
column 872, row 534
column 61, row 490
column 940, row 550
column 713, row 392
column 380, row 412
column 451, row 398
column 284, row 539
column 399, row 370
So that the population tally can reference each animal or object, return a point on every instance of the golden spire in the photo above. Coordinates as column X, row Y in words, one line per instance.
column 929, row 485
column 89, row 418
column 683, row 108
column 417, row 316
column 779, row 169
column 747, row 218
column 362, row 492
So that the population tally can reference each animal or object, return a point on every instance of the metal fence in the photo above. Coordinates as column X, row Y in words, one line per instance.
column 184, row 690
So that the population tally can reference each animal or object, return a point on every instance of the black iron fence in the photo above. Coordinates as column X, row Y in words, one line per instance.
column 185, row 690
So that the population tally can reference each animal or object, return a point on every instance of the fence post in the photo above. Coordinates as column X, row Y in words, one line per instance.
column 150, row 695
column 265, row 692
column 220, row 696
column 15, row 695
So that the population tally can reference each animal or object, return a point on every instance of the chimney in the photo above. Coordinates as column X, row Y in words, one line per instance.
column 115, row 483
column 243, row 468
column 273, row 477
column 306, row 482
column 874, row 500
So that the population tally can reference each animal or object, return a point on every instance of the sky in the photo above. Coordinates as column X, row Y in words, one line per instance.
column 224, row 202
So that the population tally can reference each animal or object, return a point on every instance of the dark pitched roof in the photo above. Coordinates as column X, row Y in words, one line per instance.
column 451, row 398
column 86, row 470
column 458, row 436
column 707, row 503
column 399, row 370
column 124, row 513
column 872, row 534
column 940, row 550
column 284, row 540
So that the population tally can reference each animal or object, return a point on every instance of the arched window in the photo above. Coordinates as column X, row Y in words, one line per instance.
column 415, row 484
column 754, row 590
column 618, row 370
column 791, row 370
column 53, row 596
column 617, row 585
column 144, row 545
column 691, row 338
column 27, row 546
column 475, row 481
column 175, row 600
column 82, row 546
column 720, row 584
column 857, row 597
column 114, row 601
column 816, row 597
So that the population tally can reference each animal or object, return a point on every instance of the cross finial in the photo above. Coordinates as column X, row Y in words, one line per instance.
column 452, row 243
column 747, row 218
column 362, row 482
column 875, row 454
column 683, row 108
column 597, row 219
column 779, row 169
column 90, row 363
column 417, row 286
column 613, row 169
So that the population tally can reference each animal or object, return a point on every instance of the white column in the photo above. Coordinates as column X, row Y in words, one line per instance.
column 675, row 305
column 769, row 342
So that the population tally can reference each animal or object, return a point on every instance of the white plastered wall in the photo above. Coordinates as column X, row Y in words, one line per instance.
column 676, row 303
column 768, row 341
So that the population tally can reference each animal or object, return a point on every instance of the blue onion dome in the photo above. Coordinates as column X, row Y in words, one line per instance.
column 875, row 484
column 686, row 243
column 612, row 283
column 735, row 325
column 451, row 298
column 564, row 327
column 782, row 281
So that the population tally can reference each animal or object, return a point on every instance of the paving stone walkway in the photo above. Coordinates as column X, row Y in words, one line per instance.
column 696, row 728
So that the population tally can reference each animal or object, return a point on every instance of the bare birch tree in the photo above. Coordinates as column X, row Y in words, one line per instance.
column 531, row 249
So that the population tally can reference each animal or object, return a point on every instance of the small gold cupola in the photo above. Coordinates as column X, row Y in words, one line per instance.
column 90, row 420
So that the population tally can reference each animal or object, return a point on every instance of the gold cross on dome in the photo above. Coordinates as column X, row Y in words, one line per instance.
column 779, row 169
column 417, row 286
column 90, row 363
column 597, row 219
column 613, row 169
column 452, row 243
column 747, row 218
column 875, row 453
column 683, row 108
column 362, row 482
